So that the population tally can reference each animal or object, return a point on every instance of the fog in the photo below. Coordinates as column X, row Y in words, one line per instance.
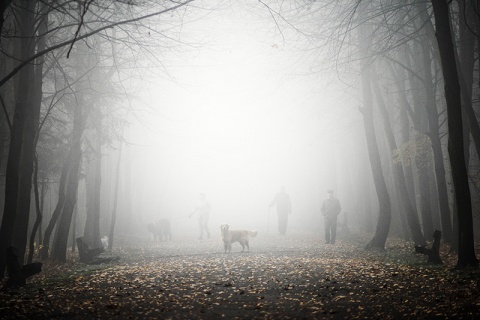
column 238, row 117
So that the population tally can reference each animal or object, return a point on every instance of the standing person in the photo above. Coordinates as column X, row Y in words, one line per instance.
column 202, row 210
column 330, row 209
column 284, row 208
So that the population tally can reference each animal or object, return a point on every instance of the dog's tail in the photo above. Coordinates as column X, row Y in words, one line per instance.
column 252, row 233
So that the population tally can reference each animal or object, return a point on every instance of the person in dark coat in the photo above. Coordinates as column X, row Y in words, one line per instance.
column 330, row 209
column 284, row 208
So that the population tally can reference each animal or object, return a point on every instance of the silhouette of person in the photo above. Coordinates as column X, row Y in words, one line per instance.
column 284, row 207
column 202, row 210
column 330, row 209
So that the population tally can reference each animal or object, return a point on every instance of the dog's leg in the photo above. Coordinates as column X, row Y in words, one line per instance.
column 248, row 247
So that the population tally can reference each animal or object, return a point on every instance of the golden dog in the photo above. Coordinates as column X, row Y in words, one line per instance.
column 231, row 236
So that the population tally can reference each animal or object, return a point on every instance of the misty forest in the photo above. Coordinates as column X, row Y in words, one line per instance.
column 253, row 159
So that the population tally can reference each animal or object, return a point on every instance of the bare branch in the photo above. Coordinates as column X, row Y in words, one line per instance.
column 65, row 43
column 85, row 10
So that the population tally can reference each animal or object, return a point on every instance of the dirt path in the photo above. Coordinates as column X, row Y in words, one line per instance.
column 292, row 277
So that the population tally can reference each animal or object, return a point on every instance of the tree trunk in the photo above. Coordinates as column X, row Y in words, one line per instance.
column 60, row 241
column 44, row 252
column 94, row 180
column 4, row 4
column 115, row 199
column 385, row 215
column 434, row 128
column 74, row 226
column 465, row 70
column 37, row 101
column 38, row 210
column 466, row 250
column 399, row 176
column 22, row 118
column 405, row 132
column 422, row 155
column 43, row 191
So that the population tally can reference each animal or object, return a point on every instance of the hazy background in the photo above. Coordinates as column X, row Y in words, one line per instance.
column 236, row 118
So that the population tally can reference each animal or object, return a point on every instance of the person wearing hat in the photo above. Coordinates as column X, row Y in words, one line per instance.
column 330, row 209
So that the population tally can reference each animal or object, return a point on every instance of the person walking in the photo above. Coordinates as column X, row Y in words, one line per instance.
column 330, row 209
column 203, row 211
column 284, row 207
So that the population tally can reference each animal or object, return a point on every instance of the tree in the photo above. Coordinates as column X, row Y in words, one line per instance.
column 399, row 175
column 115, row 198
column 25, row 121
column 433, row 123
column 466, row 250
column 20, row 156
column 385, row 215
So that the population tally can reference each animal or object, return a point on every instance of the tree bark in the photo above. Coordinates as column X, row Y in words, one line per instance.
column 44, row 253
column 22, row 117
column 4, row 4
column 385, row 215
column 466, row 250
column 433, row 125
column 60, row 241
column 465, row 69
column 422, row 155
column 399, row 175
column 38, row 211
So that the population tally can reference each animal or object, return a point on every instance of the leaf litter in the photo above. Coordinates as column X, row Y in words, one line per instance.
column 280, row 278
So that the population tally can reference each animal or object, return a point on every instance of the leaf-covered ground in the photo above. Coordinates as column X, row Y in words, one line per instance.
column 281, row 277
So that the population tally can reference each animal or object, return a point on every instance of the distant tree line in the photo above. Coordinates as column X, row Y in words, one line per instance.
column 61, row 92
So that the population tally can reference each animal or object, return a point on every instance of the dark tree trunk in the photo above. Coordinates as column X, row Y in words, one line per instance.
column 4, row 4
column 44, row 253
column 22, row 117
column 466, row 250
column 43, row 191
column 422, row 156
column 434, row 127
column 466, row 67
column 37, row 101
column 60, row 241
column 38, row 211
column 385, row 214
column 399, row 78
column 399, row 176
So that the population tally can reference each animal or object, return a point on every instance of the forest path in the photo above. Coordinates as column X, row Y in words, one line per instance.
column 296, row 276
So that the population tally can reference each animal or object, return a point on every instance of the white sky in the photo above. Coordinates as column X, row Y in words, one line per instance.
column 239, row 121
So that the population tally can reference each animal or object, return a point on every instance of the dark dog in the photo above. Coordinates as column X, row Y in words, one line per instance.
column 160, row 230
column 231, row 236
